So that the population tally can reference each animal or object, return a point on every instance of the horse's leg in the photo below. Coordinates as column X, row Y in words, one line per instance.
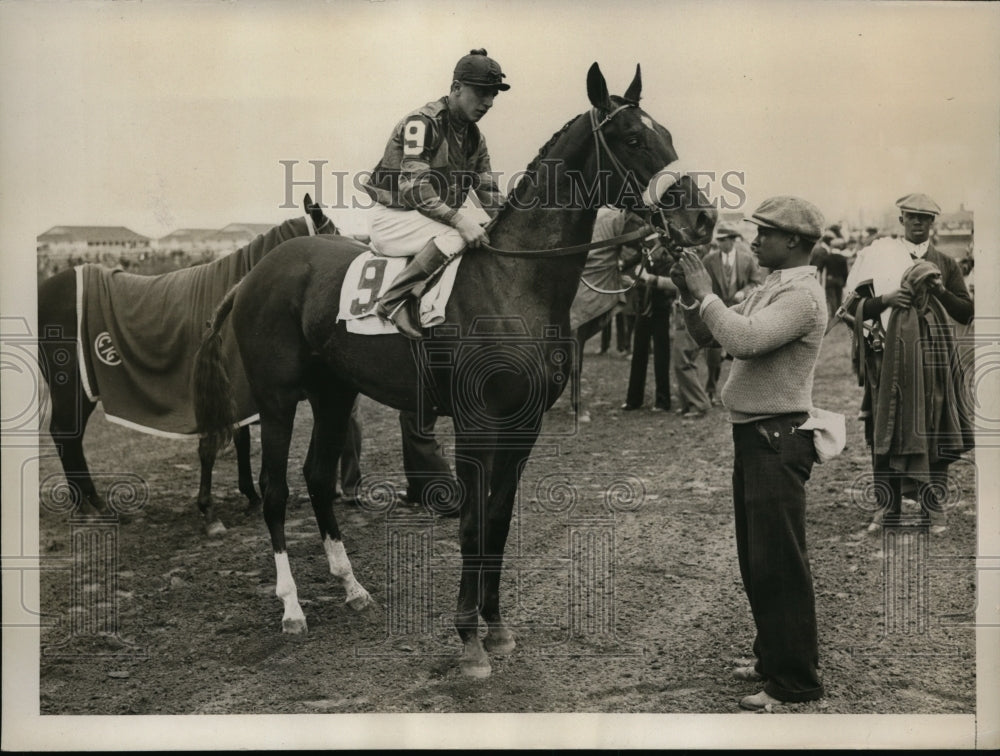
column 332, row 407
column 473, row 462
column 59, row 361
column 70, row 411
column 241, row 440
column 206, row 504
column 277, row 418
column 507, row 467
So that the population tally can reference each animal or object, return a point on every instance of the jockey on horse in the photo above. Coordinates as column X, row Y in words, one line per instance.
column 434, row 156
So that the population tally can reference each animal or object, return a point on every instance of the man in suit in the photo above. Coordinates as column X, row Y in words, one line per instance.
column 734, row 273
column 655, row 296
column 915, row 410
column 834, row 271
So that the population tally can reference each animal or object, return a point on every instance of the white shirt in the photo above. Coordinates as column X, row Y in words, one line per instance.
column 883, row 262
column 916, row 250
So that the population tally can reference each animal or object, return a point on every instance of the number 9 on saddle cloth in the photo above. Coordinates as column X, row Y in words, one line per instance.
column 370, row 275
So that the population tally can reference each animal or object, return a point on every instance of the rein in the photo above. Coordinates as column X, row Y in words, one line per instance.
column 599, row 290
column 566, row 251
column 635, row 280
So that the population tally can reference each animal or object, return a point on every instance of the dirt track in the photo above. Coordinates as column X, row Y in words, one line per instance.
column 621, row 583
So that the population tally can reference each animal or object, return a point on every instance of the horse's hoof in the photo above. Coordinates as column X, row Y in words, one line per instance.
column 477, row 670
column 474, row 662
column 294, row 626
column 360, row 602
column 215, row 529
column 499, row 641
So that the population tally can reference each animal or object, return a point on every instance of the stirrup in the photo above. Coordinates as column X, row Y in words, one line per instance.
column 402, row 318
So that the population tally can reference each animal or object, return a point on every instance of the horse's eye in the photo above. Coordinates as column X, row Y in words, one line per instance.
column 632, row 141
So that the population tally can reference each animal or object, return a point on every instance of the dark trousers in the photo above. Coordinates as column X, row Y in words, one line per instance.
column 685, row 353
column 772, row 462
column 889, row 490
column 423, row 462
column 834, row 296
column 623, row 333
column 655, row 327
column 350, row 456
column 624, row 325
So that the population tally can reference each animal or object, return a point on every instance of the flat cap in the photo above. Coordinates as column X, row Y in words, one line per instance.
column 791, row 214
column 918, row 203
column 727, row 231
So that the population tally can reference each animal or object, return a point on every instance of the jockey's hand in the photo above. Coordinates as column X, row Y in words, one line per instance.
column 899, row 298
column 471, row 232
column 699, row 283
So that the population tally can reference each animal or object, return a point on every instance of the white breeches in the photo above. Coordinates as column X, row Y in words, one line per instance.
column 402, row 233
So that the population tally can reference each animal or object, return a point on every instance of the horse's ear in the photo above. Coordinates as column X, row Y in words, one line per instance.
column 314, row 210
column 597, row 89
column 634, row 90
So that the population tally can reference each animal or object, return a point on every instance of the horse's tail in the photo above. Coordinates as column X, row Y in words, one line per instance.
column 214, row 406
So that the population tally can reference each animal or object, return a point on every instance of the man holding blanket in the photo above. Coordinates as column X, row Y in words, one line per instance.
column 774, row 336
column 916, row 413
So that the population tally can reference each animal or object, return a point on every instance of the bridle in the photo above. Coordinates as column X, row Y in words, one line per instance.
column 600, row 146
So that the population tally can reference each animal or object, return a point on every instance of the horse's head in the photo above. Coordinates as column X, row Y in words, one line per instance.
column 638, row 152
column 320, row 221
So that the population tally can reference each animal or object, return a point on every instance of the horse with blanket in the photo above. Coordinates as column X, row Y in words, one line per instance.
column 129, row 341
column 496, row 363
column 603, row 286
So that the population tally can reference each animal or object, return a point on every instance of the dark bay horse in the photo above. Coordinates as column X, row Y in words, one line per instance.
column 495, row 366
column 71, row 407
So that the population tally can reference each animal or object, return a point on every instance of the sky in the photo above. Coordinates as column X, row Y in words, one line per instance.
column 161, row 116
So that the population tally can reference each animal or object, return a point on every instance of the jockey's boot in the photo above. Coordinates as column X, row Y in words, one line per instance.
column 400, row 303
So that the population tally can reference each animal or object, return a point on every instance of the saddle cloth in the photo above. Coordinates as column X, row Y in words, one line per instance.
column 137, row 340
column 370, row 275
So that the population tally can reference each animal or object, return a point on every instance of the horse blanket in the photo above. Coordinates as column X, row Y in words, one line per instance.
column 601, row 270
column 138, row 336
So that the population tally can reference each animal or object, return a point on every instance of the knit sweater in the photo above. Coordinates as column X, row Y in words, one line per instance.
column 774, row 337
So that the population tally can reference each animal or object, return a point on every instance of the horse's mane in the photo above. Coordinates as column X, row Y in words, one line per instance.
column 531, row 172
